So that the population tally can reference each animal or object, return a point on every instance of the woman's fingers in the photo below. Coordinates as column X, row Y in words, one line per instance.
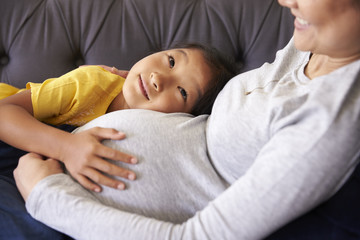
column 31, row 169
column 114, row 70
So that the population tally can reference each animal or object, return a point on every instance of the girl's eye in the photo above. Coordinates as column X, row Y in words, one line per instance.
column 171, row 61
column 183, row 93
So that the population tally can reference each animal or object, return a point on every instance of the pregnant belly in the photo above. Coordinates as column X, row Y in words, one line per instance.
column 175, row 178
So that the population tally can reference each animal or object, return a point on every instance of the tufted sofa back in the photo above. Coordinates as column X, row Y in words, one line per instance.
column 46, row 38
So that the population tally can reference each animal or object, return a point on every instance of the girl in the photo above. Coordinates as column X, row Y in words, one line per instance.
column 184, row 79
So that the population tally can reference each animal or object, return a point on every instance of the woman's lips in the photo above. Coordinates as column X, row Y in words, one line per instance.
column 143, row 88
column 301, row 23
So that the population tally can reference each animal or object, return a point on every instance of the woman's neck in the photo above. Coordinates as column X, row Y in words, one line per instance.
column 322, row 64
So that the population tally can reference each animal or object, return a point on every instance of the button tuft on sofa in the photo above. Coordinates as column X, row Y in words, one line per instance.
column 79, row 61
column 4, row 60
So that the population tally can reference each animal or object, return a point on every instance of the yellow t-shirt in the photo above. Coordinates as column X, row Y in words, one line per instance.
column 76, row 97
column 8, row 90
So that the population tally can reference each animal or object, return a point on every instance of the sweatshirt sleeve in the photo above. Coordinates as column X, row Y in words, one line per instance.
column 264, row 199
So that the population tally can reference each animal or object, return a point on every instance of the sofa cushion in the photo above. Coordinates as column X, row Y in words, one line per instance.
column 41, row 39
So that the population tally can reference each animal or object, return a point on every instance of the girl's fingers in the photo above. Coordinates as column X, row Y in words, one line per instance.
column 107, row 133
column 107, row 152
column 112, row 154
column 86, row 183
column 93, row 177
column 112, row 169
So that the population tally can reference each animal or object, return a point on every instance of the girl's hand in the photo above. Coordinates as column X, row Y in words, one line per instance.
column 32, row 169
column 83, row 155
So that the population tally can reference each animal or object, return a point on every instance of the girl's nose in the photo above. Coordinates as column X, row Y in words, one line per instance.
column 156, row 81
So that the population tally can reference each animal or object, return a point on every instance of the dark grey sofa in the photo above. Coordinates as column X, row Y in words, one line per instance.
column 47, row 38
column 42, row 39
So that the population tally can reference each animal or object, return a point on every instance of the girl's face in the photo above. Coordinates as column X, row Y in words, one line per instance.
column 329, row 27
column 167, row 81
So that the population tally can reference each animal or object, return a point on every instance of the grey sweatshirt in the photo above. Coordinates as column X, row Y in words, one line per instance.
column 276, row 145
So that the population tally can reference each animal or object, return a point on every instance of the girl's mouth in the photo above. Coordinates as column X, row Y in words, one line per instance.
column 143, row 88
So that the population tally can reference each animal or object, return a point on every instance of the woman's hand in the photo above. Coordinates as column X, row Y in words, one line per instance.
column 83, row 155
column 114, row 70
column 31, row 169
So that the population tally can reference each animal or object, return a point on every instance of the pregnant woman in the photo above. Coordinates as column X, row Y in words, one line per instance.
column 281, row 140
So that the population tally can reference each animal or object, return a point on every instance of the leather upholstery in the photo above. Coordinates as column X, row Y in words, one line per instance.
column 47, row 38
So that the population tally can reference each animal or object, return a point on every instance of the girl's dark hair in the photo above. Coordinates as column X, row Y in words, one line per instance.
column 222, row 68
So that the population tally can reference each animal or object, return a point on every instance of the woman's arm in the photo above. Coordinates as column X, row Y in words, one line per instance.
column 303, row 164
column 247, row 210
column 81, row 153
column 286, row 181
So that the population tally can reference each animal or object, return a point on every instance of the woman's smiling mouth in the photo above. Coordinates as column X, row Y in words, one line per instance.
column 301, row 23
column 143, row 88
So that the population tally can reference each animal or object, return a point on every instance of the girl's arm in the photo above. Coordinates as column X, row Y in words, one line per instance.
column 81, row 153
